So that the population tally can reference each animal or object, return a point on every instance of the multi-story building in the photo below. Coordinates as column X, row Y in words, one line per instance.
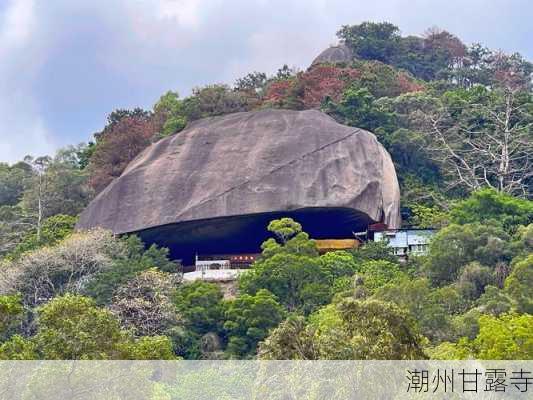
column 406, row 242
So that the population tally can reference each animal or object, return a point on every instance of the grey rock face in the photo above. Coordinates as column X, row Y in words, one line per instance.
column 247, row 163
column 334, row 54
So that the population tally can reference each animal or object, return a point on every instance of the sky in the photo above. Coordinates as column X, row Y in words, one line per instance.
column 65, row 65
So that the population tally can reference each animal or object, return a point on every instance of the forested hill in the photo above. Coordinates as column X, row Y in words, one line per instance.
column 457, row 120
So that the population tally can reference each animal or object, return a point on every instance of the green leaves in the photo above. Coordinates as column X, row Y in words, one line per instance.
column 72, row 327
column 248, row 320
column 519, row 285
column 11, row 313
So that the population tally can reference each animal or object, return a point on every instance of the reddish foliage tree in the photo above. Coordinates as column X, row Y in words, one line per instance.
column 278, row 91
column 325, row 81
column 407, row 84
column 440, row 40
column 117, row 145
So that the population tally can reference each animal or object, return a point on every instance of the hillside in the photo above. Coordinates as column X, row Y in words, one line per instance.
column 457, row 122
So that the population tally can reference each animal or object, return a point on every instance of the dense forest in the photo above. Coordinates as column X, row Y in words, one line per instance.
column 457, row 120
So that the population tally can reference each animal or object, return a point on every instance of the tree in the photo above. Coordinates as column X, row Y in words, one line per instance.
column 200, row 305
column 348, row 330
column 507, row 337
column 213, row 100
column 473, row 279
column 58, row 186
column 284, row 228
column 125, row 136
column 457, row 245
column 18, row 348
column 72, row 327
column 519, row 285
column 291, row 340
column 371, row 41
column 494, row 301
column 248, row 320
column 168, row 111
column 201, row 308
column 67, row 267
column 15, row 224
column 254, row 83
column 12, row 180
column 482, row 138
column 125, row 266
column 144, row 303
column 374, row 251
column 11, row 313
column 432, row 56
column 293, row 271
column 291, row 277
column 488, row 204
column 376, row 274
column 53, row 230
column 39, row 167
column 430, row 308
column 357, row 108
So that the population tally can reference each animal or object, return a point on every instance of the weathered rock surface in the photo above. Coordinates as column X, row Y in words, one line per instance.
column 247, row 163
column 334, row 54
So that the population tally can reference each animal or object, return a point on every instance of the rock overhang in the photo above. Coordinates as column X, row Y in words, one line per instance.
column 262, row 163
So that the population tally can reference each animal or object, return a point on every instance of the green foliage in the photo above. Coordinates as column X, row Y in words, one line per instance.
column 248, row 320
column 466, row 325
column 357, row 108
column 57, row 185
column 148, row 348
column 213, row 100
column 374, row 251
column 169, row 110
column 18, row 348
column 363, row 330
column 200, row 305
column 284, row 228
column 53, row 230
column 457, row 245
column 427, row 216
column 519, row 285
column 430, row 308
column 337, row 264
column 378, row 273
column 473, row 279
column 291, row 340
column 173, row 125
column 135, row 260
column 253, row 83
column 488, row 204
column 494, row 301
column 372, row 41
column 72, row 327
column 12, row 180
column 291, row 270
column 449, row 351
column 508, row 337
column 11, row 313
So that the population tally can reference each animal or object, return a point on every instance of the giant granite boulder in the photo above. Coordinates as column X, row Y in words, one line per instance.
column 246, row 164
column 334, row 54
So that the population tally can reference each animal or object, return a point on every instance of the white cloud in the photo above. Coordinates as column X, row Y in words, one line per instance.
column 22, row 128
column 65, row 64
